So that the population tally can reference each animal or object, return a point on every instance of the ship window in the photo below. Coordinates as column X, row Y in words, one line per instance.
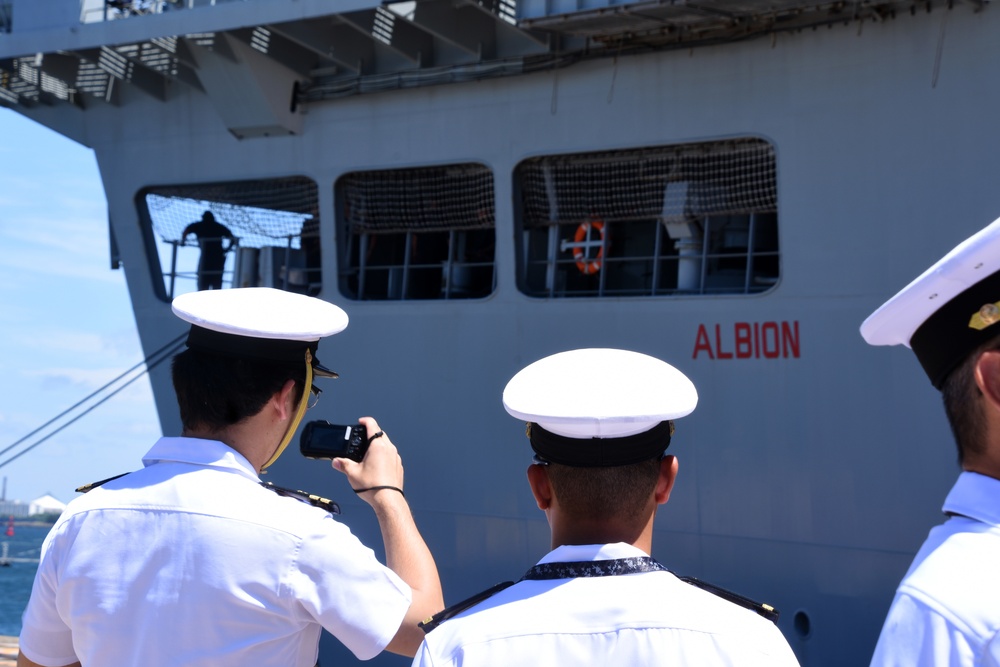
column 422, row 233
column 685, row 219
column 236, row 234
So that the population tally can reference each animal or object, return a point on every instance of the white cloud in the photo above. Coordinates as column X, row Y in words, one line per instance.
column 76, row 342
column 89, row 380
column 51, row 247
column 43, row 228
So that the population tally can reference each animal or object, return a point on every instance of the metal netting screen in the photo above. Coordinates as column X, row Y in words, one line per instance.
column 670, row 182
column 453, row 197
column 259, row 213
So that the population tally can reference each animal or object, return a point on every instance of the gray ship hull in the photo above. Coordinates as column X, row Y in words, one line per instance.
column 811, row 470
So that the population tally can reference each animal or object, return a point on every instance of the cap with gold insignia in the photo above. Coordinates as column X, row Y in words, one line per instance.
column 949, row 310
column 599, row 406
column 259, row 323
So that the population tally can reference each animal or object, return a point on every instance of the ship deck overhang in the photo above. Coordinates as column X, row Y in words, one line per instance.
column 282, row 55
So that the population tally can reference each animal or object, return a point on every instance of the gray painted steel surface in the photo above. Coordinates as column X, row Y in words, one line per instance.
column 807, row 481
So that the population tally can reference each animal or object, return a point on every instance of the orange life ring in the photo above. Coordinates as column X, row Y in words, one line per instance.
column 588, row 267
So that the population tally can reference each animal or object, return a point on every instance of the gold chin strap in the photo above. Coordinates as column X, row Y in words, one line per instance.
column 303, row 402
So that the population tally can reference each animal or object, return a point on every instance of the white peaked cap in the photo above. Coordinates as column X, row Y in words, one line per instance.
column 259, row 323
column 261, row 312
column 949, row 310
column 599, row 393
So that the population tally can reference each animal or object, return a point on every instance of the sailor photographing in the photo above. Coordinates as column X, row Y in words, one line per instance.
column 191, row 561
column 599, row 422
column 947, row 609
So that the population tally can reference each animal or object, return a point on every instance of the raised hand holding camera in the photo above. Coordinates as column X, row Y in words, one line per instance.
column 323, row 440
column 380, row 467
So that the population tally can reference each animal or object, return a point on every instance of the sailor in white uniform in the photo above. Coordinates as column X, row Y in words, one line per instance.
column 192, row 561
column 947, row 608
column 599, row 423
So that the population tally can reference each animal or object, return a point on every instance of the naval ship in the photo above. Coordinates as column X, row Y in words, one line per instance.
column 729, row 185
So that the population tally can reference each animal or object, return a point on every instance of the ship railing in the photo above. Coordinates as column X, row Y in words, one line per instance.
column 284, row 267
column 174, row 274
column 178, row 278
column 455, row 278
column 457, row 273
column 277, row 266
column 111, row 10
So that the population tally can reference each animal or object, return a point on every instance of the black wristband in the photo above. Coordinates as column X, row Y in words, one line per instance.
column 378, row 488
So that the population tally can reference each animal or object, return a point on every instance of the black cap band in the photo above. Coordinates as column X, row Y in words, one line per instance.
column 232, row 345
column 601, row 452
column 268, row 349
column 945, row 339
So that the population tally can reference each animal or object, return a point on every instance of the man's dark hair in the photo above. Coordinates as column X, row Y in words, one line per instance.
column 618, row 492
column 963, row 403
column 216, row 391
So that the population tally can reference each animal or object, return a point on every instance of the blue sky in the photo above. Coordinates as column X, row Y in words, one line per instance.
column 66, row 323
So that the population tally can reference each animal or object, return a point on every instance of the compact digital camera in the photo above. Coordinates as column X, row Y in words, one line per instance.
column 323, row 440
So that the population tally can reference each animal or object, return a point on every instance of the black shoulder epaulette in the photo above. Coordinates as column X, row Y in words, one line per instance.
column 94, row 485
column 457, row 608
column 765, row 610
column 314, row 500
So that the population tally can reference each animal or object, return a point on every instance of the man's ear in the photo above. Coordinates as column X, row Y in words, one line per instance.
column 988, row 377
column 538, row 480
column 284, row 401
column 665, row 482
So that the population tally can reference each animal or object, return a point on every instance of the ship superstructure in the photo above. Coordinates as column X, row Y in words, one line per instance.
column 729, row 185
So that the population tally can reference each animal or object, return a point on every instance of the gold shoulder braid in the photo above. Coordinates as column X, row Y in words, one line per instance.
column 312, row 499
column 760, row 608
column 94, row 485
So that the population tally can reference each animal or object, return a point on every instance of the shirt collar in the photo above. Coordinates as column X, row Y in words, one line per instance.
column 196, row 451
column 572, row 553
column 975, row 496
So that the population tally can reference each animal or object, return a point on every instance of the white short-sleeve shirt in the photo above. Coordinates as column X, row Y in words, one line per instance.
column 650, row 618
column 191, row 562
column 947, row 609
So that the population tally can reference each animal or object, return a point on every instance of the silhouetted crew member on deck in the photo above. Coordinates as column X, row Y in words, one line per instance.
column 946, row 611
column 192, row 561
column 210, row 234
column 599, row 422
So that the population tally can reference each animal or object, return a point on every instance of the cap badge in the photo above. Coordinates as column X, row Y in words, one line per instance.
column 988, row 315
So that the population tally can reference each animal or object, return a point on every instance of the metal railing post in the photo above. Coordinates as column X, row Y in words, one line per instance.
column 748, row 280
column 173, row 267
column 288, row 259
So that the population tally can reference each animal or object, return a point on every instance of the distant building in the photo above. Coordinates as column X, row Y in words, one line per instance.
column 46, row 505
column 14, row 508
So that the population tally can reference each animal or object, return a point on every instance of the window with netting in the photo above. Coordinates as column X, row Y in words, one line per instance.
column 261, row 233
column 420, row 233
column 698, row 218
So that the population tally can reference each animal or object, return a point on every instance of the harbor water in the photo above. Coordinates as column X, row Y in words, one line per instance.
column 15, row 580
